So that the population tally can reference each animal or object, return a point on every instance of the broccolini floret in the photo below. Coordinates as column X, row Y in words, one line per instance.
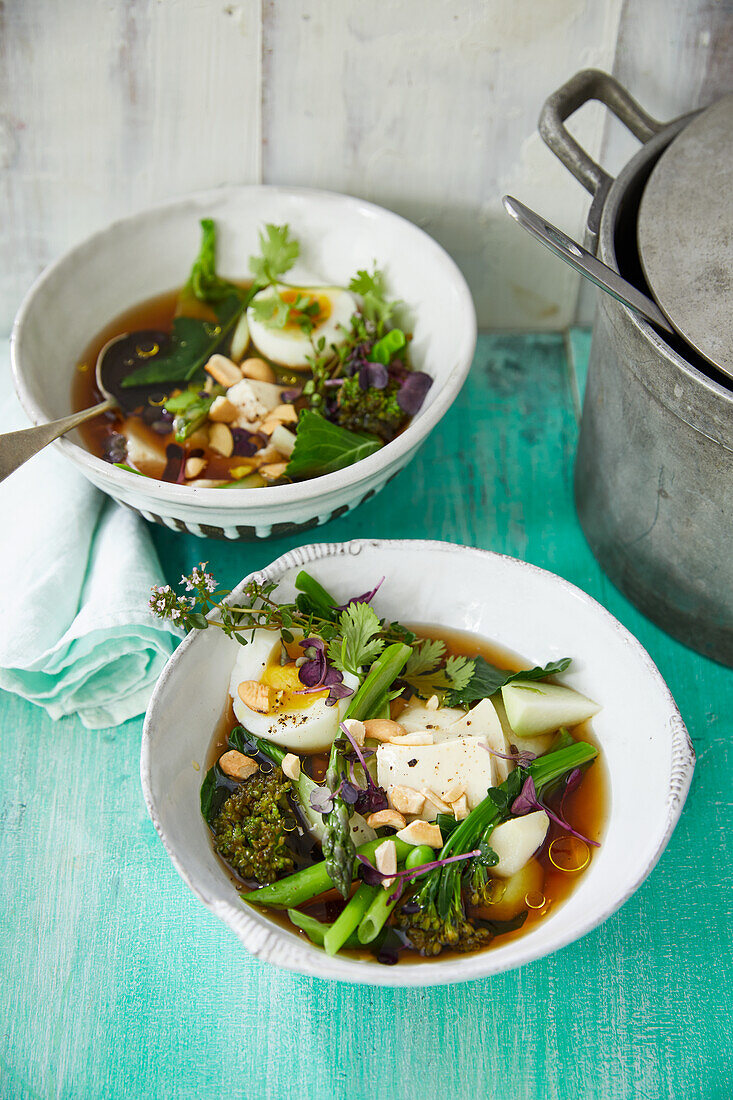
column 250, row 829
column 429, row 933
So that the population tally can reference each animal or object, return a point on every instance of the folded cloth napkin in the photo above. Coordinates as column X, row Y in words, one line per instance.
column 77, row 636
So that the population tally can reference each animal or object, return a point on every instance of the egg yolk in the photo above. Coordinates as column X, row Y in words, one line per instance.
column 285, row 681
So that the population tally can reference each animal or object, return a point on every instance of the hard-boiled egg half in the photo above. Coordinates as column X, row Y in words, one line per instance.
column 290, row 345
column 268, row 700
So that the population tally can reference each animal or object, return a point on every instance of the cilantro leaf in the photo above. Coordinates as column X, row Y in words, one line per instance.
column 322, row 447
column 203, row 282
column 487, row 680
column 358, row 645
column 271, row 310
column 373, row 292
column 279, row 253
column 459, row 671
column 452, row 677
column 425, row 655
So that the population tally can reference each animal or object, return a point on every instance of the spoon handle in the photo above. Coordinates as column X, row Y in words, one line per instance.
column 586, row 263
column 17, row 447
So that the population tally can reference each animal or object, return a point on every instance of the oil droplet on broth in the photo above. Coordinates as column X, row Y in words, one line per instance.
column 569, row 853
column 147, row 352
column 535, row 899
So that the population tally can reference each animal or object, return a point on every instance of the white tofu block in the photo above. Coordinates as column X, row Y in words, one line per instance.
column 438, row 768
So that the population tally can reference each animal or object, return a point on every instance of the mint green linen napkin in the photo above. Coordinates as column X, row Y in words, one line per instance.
column 77, row 636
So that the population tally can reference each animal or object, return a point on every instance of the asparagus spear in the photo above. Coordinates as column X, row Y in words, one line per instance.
column 338, row 847
column 368, row 702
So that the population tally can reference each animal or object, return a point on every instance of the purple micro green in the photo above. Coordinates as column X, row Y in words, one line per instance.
column 411, row 393
column 366, row 597
column 244, row 447
column 321, row 800
column 317, row 675
column 370, row 798
column 571, row 783
column 355, row 747
column 521, row 758
column 527, row 800
column 373, row 376
column 349, row 792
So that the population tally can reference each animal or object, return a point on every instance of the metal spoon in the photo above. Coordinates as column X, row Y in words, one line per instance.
column 17, row 447
column 586, row 263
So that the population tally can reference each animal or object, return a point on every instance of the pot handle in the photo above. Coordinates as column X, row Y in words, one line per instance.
column 584, row 86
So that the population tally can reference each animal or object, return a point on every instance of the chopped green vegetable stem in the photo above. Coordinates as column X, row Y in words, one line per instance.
column 377, row 914
column 371, row 697
column 316, row 930
column 350, row 917
column 314, row 880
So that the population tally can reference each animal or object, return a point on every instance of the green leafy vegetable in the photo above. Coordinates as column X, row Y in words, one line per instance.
column 193, row 342
column 203, row 282
column 357, row 645
column 279, row 251
column 213, row 795
column 272, row 310
column 194, row 415
column 487, row 680
column 319, row 601
column 322, row 447
column 426, row 655
column 373, row 292
column 429, row 673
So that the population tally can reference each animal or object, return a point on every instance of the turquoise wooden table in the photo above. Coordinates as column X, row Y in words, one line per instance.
column 116, row 982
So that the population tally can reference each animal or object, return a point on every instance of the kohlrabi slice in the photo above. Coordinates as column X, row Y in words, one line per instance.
column 536, row 708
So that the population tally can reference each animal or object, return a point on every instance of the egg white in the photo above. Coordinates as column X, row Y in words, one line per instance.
column 312, row 728
column 290, row 347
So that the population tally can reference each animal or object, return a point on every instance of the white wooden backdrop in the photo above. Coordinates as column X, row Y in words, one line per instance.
column 426, row 106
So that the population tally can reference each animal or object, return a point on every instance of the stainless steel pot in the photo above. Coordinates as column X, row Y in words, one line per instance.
column 654, row 470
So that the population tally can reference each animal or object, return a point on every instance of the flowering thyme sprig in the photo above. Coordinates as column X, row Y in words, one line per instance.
column 190, row 612
column 258, row 609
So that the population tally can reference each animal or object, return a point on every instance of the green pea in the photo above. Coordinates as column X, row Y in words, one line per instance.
column 418, row 856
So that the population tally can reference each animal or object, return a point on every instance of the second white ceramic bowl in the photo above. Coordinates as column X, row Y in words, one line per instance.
column 151, row 252
column 644, row 743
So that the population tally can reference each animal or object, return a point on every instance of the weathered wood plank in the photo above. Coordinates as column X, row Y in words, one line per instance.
column 108, row 108
column 427, row 114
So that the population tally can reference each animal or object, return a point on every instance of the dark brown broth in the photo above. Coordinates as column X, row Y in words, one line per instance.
column 586, row 808
column 155, row 313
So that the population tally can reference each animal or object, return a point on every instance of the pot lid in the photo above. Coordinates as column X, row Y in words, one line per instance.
column 685, row 233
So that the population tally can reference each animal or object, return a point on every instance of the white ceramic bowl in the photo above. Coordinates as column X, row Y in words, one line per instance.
column 645, row 746
column 151, row 252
